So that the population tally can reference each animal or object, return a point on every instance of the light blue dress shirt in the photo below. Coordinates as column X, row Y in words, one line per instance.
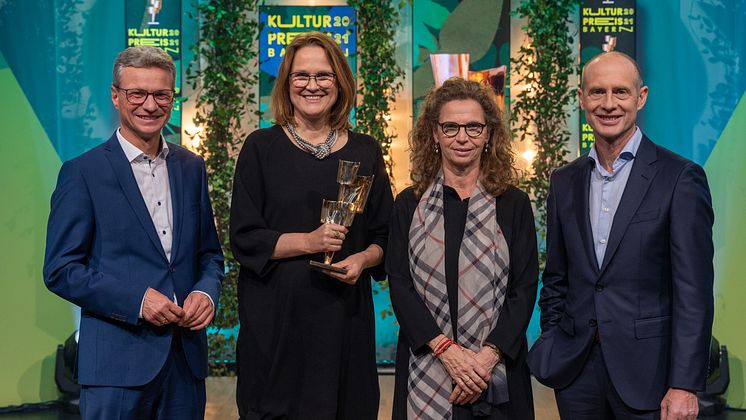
column 606, row 191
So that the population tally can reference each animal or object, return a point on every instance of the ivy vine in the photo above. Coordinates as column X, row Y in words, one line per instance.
column 224, row 87
column 379, row 75
column 541, row 111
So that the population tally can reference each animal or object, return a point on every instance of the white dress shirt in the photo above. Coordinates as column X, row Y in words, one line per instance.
column 151, row 176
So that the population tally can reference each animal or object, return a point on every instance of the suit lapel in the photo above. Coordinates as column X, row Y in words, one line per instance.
column 642, row 173
column 126, row 178
column 177, row 197
column 581, row 185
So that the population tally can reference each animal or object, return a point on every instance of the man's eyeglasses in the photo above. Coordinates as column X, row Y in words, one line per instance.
column 139, row 96
column 301, row 79
column 472, row 129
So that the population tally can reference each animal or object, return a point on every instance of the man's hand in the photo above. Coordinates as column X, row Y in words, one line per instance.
column 198, row 311
column 679, row 404
column 160, row 310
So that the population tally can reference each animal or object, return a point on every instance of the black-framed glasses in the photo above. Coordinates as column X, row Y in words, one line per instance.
column 139, row 96
column 301, row 79
column 451, row 129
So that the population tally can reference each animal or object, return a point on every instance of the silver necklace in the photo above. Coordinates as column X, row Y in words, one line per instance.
column 320, row 151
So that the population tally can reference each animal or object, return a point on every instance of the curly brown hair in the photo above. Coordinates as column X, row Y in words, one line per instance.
column 497, row 170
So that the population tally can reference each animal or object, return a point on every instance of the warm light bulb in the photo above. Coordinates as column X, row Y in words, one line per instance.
column 529, row 155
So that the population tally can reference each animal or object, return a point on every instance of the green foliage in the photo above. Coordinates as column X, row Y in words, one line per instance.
column 224, row 84
column 541, row 113
column 379, row 75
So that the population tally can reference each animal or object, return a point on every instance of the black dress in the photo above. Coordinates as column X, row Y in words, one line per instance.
column 306, row 345
column 418, row 327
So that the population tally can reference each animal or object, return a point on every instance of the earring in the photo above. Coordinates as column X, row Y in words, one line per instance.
column 486, row 147
column 437, row 148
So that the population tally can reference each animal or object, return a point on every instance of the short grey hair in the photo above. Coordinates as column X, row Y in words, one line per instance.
column 617, row 54
column 143, row 57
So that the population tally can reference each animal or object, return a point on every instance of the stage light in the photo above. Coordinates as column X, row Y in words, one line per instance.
column 194, row 134
column 529, row 155
column 65, row 374
column 711, row 401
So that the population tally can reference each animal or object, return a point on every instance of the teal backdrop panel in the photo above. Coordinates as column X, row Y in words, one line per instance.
column 55, row 76
column 56, row 60
column 691, row 53
column 727, row 176
column 32, row 320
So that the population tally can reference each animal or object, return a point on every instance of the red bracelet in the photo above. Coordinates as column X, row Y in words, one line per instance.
column 443, row 346
column 439, row 344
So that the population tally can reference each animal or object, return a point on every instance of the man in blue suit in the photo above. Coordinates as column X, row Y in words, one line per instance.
column 627, row 303
column 132, row 241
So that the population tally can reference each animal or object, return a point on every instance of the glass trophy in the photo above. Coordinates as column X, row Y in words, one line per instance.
column 351, row 200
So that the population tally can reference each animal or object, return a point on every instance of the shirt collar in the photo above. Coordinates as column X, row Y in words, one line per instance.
column 628, row 152
column 132, row 152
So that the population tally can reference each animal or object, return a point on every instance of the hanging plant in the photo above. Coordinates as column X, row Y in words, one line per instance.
column 544, row 66
column 224, row 78
column 379, row 76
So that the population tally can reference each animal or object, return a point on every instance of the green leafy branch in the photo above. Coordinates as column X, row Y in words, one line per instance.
column 541, row 111
column 379, row 75
column 224, row 85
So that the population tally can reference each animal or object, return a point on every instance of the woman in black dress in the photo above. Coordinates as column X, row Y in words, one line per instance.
column 306, row 346
column 462, row 265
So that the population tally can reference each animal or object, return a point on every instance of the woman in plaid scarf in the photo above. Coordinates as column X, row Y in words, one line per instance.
column 462, row 265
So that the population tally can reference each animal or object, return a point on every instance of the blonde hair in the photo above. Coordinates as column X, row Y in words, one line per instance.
column 281, row 107
column 497, row 170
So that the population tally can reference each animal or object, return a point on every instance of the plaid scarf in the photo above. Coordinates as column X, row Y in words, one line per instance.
column 483, row 278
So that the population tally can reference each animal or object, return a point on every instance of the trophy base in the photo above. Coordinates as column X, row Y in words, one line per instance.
column 326, row 267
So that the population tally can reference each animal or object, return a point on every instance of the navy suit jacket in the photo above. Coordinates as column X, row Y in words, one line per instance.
column 103, row 253
column 651, row 302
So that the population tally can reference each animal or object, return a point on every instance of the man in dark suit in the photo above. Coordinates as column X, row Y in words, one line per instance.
column 132, row 241
column 627, row 303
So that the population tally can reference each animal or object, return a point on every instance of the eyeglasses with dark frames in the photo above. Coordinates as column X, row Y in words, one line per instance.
column 451, row 129
column 139, row 96
column 301, row 79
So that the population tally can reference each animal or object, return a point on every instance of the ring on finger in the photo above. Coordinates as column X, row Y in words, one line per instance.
column 336, row 235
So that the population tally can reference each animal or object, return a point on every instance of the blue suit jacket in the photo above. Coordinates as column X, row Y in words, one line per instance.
column 651, row 302
column 103, row 253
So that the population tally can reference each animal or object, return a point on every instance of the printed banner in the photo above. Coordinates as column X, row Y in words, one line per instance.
column 469, row 39
column 157, row 23
column 281, row 24
column 605, row 25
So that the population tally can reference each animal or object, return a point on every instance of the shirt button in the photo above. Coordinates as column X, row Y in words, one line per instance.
column 603, row 241
column 164, row 232
column 606, row 209
column 159, row 203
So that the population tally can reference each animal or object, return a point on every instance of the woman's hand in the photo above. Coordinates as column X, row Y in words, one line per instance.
column 354, row 264
column 459, row 396
column 326, row 238
column 469, row 376
column 488, row 358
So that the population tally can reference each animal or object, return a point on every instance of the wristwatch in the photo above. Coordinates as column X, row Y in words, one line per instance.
column 496, row 350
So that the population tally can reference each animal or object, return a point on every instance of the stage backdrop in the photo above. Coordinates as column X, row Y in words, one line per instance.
column 55, row 73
